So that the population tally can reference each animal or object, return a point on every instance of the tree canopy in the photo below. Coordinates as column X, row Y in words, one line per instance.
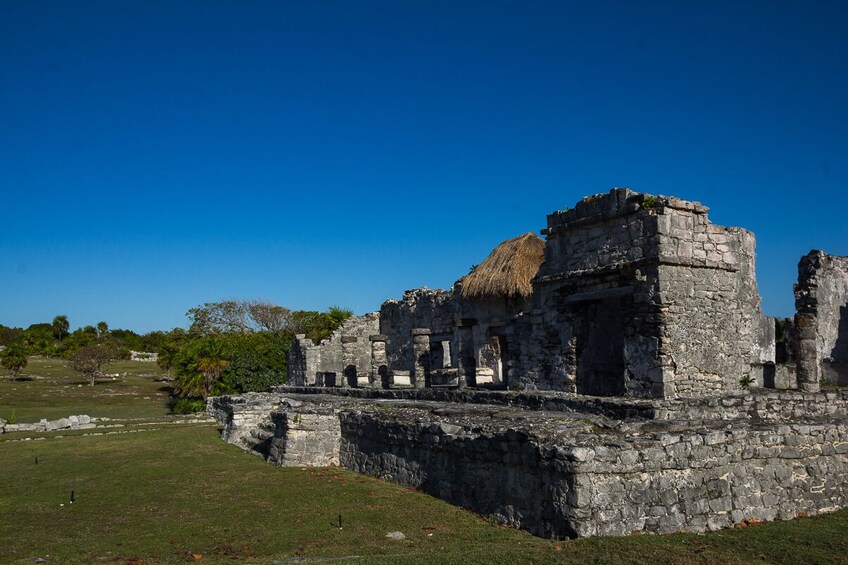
column 14, row 359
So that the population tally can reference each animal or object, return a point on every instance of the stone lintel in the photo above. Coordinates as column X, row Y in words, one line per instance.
column 600, row 294
column 379, row 337
column 421, row 331
column 349, row 339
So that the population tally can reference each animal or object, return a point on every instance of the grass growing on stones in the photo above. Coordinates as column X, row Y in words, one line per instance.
column 47, row 388
column 180, row 494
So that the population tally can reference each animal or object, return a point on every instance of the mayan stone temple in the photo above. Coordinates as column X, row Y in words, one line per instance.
column 616, row 377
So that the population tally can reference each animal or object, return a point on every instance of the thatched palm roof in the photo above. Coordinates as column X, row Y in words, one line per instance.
column 508, row 271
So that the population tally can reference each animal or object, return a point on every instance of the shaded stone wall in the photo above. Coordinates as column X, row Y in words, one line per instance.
column 672, row 482
column 566, row 475
column 595, row 267
column 821, row 322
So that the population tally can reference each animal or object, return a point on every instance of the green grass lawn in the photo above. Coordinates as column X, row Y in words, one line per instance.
column 177, row 493
column 47, row 388
column 169, row 495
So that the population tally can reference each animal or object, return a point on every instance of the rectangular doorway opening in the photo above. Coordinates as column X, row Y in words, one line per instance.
column 600, row 348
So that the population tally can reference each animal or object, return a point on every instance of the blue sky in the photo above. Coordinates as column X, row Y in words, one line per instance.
column 158, row 155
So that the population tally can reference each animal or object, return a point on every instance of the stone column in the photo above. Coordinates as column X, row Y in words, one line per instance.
column 806, row 319
column 807, row 361
column 349, row 360
column 466, row 366
column 379, row 361
column 421, row 357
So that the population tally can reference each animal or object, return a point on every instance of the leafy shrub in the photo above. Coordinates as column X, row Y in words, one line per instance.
column 253, row 372
column 188, row 406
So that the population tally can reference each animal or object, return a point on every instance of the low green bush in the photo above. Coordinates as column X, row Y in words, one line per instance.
column 188, row 406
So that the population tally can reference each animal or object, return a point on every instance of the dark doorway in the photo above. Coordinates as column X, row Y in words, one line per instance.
column 600, row 348
column 351, row 376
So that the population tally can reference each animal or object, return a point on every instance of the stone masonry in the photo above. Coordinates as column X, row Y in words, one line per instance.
column 343, row 359
column 821, row 299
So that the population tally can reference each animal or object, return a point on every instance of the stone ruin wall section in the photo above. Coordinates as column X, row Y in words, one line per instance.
column 714, row 332
column 662, row 482
column 307, row 361
column 601, row 244
column 821, row 299
column 683, row 288
column 420, row 308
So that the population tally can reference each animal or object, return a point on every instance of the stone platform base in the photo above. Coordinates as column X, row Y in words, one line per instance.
column 628, row 466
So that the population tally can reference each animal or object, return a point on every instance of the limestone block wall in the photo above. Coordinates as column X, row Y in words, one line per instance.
column 712, row 464
column 305, row 436
column 712, row 480
column 712, row 323
column 666, row 482
column 311, row 364
column 240, row 415
column 595, row 290
column 499, row 473
column 821, row 300
column 420, row 308
column 759, row 405
column 641, row 295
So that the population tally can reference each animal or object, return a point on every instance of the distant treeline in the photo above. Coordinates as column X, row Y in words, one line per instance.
column 55, row 340
column 231, row 346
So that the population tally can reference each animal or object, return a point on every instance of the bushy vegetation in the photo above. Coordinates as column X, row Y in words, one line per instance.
column 237, row 346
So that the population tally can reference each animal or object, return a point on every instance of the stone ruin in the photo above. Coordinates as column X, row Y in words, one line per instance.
column 617, row 377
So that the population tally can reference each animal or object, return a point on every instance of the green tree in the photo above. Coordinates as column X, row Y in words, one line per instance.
column 89, row 360
column 170, row 348
column 38, row 339
column 14, row 359
column 60, row 327
column 102, row 330
column 8, row 335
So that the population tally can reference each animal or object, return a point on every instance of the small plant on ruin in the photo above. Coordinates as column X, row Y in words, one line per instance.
column 649, row 202
column 746, row 381
column 472, row 268
column 188, row 406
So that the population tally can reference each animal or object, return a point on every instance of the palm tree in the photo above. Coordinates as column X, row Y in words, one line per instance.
column 211, row 368
column 102, row 329
column 61, row 327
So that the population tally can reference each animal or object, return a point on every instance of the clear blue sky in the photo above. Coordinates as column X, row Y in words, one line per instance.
column 155, row 155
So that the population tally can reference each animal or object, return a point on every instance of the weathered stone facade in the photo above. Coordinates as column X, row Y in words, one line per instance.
column 343, row 359
column 821, row 299
column 642, row 296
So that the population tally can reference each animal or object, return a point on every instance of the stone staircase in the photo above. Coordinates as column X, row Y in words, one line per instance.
column 258, row 440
